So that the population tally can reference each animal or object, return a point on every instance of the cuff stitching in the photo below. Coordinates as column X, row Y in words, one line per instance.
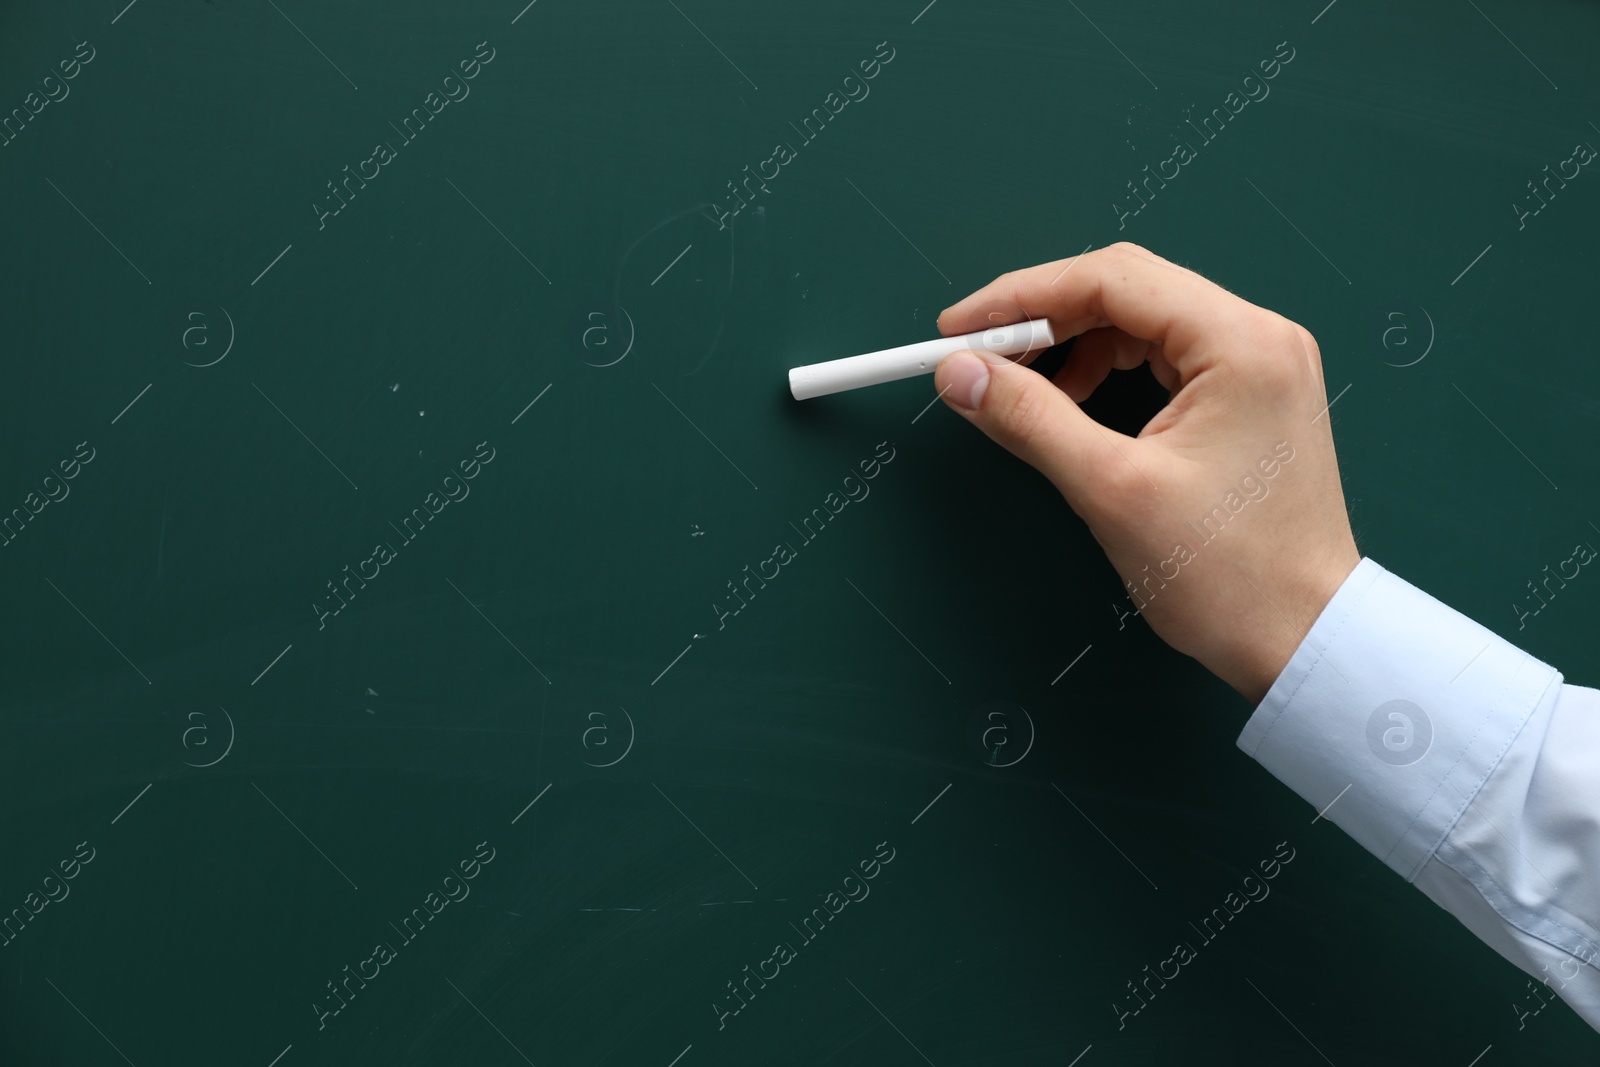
column 1488, row 719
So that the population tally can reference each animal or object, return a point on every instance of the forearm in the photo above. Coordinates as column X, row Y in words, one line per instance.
column 1460, row 761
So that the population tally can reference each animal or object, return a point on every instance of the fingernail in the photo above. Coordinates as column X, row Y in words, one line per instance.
column 968, row 377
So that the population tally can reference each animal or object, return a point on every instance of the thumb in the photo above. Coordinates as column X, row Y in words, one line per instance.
column 1026, row 414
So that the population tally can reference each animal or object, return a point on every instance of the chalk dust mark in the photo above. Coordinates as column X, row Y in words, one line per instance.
column 727, row 296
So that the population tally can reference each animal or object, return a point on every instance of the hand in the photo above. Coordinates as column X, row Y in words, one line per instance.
column 1225, row 516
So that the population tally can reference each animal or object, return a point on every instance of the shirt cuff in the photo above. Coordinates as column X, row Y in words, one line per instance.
column 1392, row 714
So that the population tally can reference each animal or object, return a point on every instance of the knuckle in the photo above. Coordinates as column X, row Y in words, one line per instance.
column 1285, row 335
column 1309, row 343
column 1279, row 350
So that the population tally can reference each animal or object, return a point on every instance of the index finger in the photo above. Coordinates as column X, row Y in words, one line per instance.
column 1121, row 285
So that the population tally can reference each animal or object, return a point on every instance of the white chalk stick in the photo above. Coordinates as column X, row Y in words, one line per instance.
column 908, row 361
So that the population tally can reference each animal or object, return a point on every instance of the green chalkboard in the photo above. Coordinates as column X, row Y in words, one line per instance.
column 433, row 634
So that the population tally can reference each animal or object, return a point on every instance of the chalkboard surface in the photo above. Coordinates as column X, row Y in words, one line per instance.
column 433, row 635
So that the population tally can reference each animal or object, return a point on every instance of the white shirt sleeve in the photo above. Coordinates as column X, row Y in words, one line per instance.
column 1456, row 758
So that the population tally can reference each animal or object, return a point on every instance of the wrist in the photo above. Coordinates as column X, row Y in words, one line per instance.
column 1295, row 607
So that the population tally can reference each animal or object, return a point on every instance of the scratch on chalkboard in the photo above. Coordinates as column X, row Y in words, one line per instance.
column 622, row 263
column 616, row 287
column 722, row 320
